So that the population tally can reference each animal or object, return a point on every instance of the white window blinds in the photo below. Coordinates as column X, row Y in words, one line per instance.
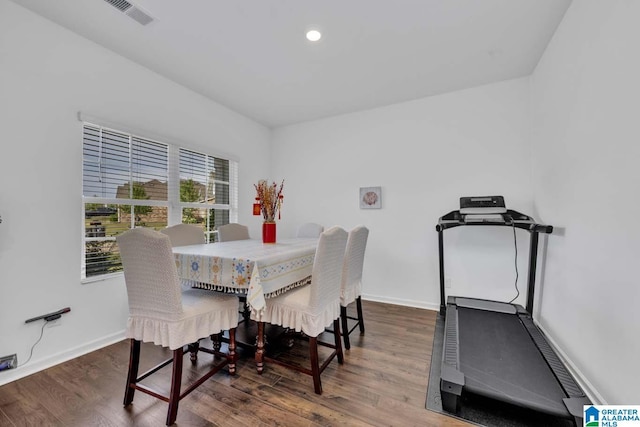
column 130, row 181
column 206, row 184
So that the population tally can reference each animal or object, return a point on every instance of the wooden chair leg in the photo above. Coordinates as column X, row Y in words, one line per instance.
column 360, row 317
column 176, row 378
column 345, row 327
column 132, row 375
column 315, row 365
column 216, row 339
column 259, row 356
column 232, row 351
column 193, row 351
column 338, row 342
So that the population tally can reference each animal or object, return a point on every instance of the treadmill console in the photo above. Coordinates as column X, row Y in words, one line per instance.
column 482, row 205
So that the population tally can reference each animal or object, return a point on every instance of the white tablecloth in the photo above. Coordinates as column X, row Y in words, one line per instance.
column 231, row 266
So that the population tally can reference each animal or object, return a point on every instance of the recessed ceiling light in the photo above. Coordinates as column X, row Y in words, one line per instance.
column 313, row 35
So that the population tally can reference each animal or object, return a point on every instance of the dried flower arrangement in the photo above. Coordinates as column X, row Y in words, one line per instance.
column 269, row 199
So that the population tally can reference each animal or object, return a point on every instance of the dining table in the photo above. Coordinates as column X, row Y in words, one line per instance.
column 259, row 270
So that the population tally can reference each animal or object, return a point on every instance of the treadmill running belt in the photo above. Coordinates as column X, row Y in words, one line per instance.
column 500, row 360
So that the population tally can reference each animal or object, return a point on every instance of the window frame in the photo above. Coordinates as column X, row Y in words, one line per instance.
column 231, row 183
column 174, row 206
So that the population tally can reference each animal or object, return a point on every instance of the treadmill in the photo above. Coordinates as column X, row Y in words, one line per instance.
column 494, row 349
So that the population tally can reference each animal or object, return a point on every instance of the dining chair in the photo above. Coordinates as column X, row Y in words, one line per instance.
column 233, row 231
column 351, row 288
column 312, row 308
column 184, row 234
column 310, row 229
column 161, row 313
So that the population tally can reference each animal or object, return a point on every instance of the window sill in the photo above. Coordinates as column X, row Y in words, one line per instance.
column 101, row 278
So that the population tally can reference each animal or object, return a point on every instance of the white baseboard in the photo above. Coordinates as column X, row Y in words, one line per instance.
column 55, row 359
column 400, row 301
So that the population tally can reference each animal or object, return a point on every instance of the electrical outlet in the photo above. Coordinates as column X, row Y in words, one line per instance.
column 8, row 362
column 447, row 283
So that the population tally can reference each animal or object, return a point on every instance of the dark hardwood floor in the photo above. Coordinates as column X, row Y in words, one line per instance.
column 383, row 382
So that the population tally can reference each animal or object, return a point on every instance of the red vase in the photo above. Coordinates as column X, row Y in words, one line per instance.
column 268, row 232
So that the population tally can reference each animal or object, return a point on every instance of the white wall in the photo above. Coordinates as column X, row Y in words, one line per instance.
column 585, row 129
column 424, row 154
column 47, row 75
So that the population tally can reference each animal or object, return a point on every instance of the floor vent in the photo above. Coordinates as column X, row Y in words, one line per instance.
column 133, row 12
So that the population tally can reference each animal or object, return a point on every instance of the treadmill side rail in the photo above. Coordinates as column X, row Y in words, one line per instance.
column 451, row 383
column 564, row 377
column 451, row 378
column 575, row 406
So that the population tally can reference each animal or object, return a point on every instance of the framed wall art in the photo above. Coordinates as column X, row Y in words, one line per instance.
column 370, row 197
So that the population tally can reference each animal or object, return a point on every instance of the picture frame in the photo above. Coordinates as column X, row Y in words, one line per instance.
column 370, row 197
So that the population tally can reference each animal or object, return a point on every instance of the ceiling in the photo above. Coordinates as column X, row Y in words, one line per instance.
column 252, row 55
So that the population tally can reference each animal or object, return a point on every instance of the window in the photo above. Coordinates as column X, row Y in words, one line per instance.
column 205, row 183
column 130, row 181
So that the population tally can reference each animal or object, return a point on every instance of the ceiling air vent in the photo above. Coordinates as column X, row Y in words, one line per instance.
column 131, row 11
column 121, row 5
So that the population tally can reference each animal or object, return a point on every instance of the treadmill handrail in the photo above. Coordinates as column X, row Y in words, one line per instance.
column 511, row 219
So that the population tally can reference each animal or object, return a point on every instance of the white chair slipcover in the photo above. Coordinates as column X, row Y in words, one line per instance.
column 184, row 234
column 353, row 263
column 233, row 231
column 310, row 309
column 310, row 229
column 158, row 311
column 351, row 287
